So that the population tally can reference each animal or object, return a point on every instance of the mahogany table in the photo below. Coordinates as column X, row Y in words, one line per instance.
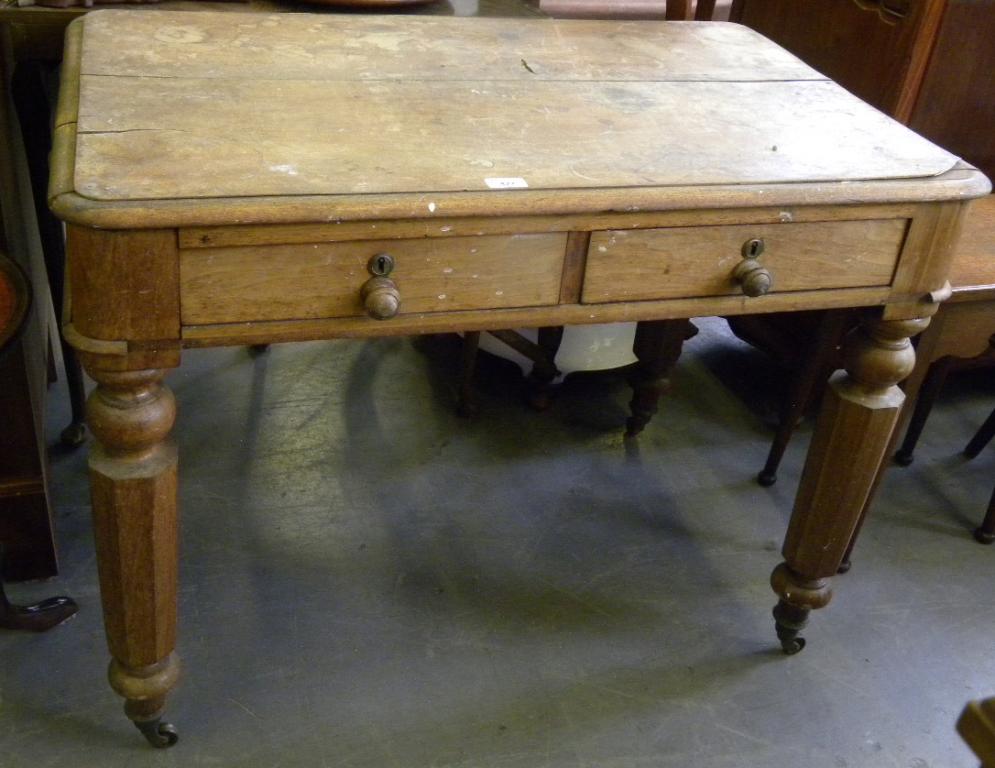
column 254, row 179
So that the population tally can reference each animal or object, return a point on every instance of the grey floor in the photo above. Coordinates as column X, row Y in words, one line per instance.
column 368, row 580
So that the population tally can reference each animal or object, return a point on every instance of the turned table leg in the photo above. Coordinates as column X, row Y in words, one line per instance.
column 850, row 441
column 133, row 487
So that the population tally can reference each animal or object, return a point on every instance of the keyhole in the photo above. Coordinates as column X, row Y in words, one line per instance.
column 381, row 265
column 753, row 248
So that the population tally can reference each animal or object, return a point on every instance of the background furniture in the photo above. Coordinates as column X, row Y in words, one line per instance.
column 15, row 305
column 672, row 10
column 961, row 334
column 985, row 533
column 976, row 725
column 906, row 57
column 25, row 509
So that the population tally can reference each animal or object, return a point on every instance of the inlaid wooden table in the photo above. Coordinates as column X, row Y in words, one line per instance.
column 254, row 179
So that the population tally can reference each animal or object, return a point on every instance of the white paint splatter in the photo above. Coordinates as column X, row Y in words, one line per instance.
column 290, row 170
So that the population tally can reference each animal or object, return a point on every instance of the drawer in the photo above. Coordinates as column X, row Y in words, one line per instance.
column 684, row 262
column 287, row 282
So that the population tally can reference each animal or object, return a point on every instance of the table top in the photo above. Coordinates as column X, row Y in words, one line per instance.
column 365, row 116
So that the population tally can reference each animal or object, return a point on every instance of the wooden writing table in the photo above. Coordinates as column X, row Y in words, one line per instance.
column 250, row 179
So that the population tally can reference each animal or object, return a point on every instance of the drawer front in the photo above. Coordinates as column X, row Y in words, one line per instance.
column 288, row 282
column 685, row 262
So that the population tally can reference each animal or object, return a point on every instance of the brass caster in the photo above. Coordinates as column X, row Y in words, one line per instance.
column 74, row 435
column 789, row 620
column 844, row 566
column 159, row 734
column 983, row 537
column 792, row 646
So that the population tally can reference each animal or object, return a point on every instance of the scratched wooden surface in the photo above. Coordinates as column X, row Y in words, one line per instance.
column 196, row 106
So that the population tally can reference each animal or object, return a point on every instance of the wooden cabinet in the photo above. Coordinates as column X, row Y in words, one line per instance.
column 928, row 63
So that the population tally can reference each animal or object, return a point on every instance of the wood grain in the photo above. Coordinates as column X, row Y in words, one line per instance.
column 974, row 256
column 208, row 335
column 360, row 48
column 222, row 285
column 149, row 138
column 699, row 261
column 136, row 264
column 446, row 226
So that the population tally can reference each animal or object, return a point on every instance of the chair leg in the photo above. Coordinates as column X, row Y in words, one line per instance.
column 704, row 10
column 678, row 10
column 75, row 433
column 931, row 387
column 819, row 364
column 985, row 533
column 37, row 617
column 981, row 438
column 544, row 372
column 657, row 347
column 466, row 403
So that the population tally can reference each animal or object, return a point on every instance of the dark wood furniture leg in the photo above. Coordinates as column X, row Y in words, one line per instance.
column 466, row 402
column 657, row 347
column 984, row 533
column 37, row 617
column 931, row 386
column 851, row 437
column 815, row 369
column 982, row 437
column 544, row 371
column 133, row 487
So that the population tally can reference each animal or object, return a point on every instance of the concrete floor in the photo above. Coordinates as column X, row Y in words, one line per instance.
column 369, row 581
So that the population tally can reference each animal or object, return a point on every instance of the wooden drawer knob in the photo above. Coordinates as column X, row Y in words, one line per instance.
column 754, row 279
column 381, row 298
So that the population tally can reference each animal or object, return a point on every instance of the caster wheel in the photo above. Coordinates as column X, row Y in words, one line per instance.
column 766, row 479
column 903, row 459
column 255, row 350
column 160, row 735
column 73, row 435
column 983, row 537
column 792, row 646
column 844, row 566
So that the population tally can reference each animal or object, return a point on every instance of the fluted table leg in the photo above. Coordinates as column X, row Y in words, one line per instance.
column 133, row 486
column 851, row 438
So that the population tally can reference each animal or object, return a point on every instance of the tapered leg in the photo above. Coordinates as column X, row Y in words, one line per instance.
column 985, row 533
column 814, row 371
column 657, row 347
column 544, row 371
column 931, row 386
column 981, row 438
column 851, row 437
column 466, row 403
column 133, row 486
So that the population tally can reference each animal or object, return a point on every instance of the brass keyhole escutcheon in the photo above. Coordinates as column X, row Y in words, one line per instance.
column 380, row 265
column 753, row 247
